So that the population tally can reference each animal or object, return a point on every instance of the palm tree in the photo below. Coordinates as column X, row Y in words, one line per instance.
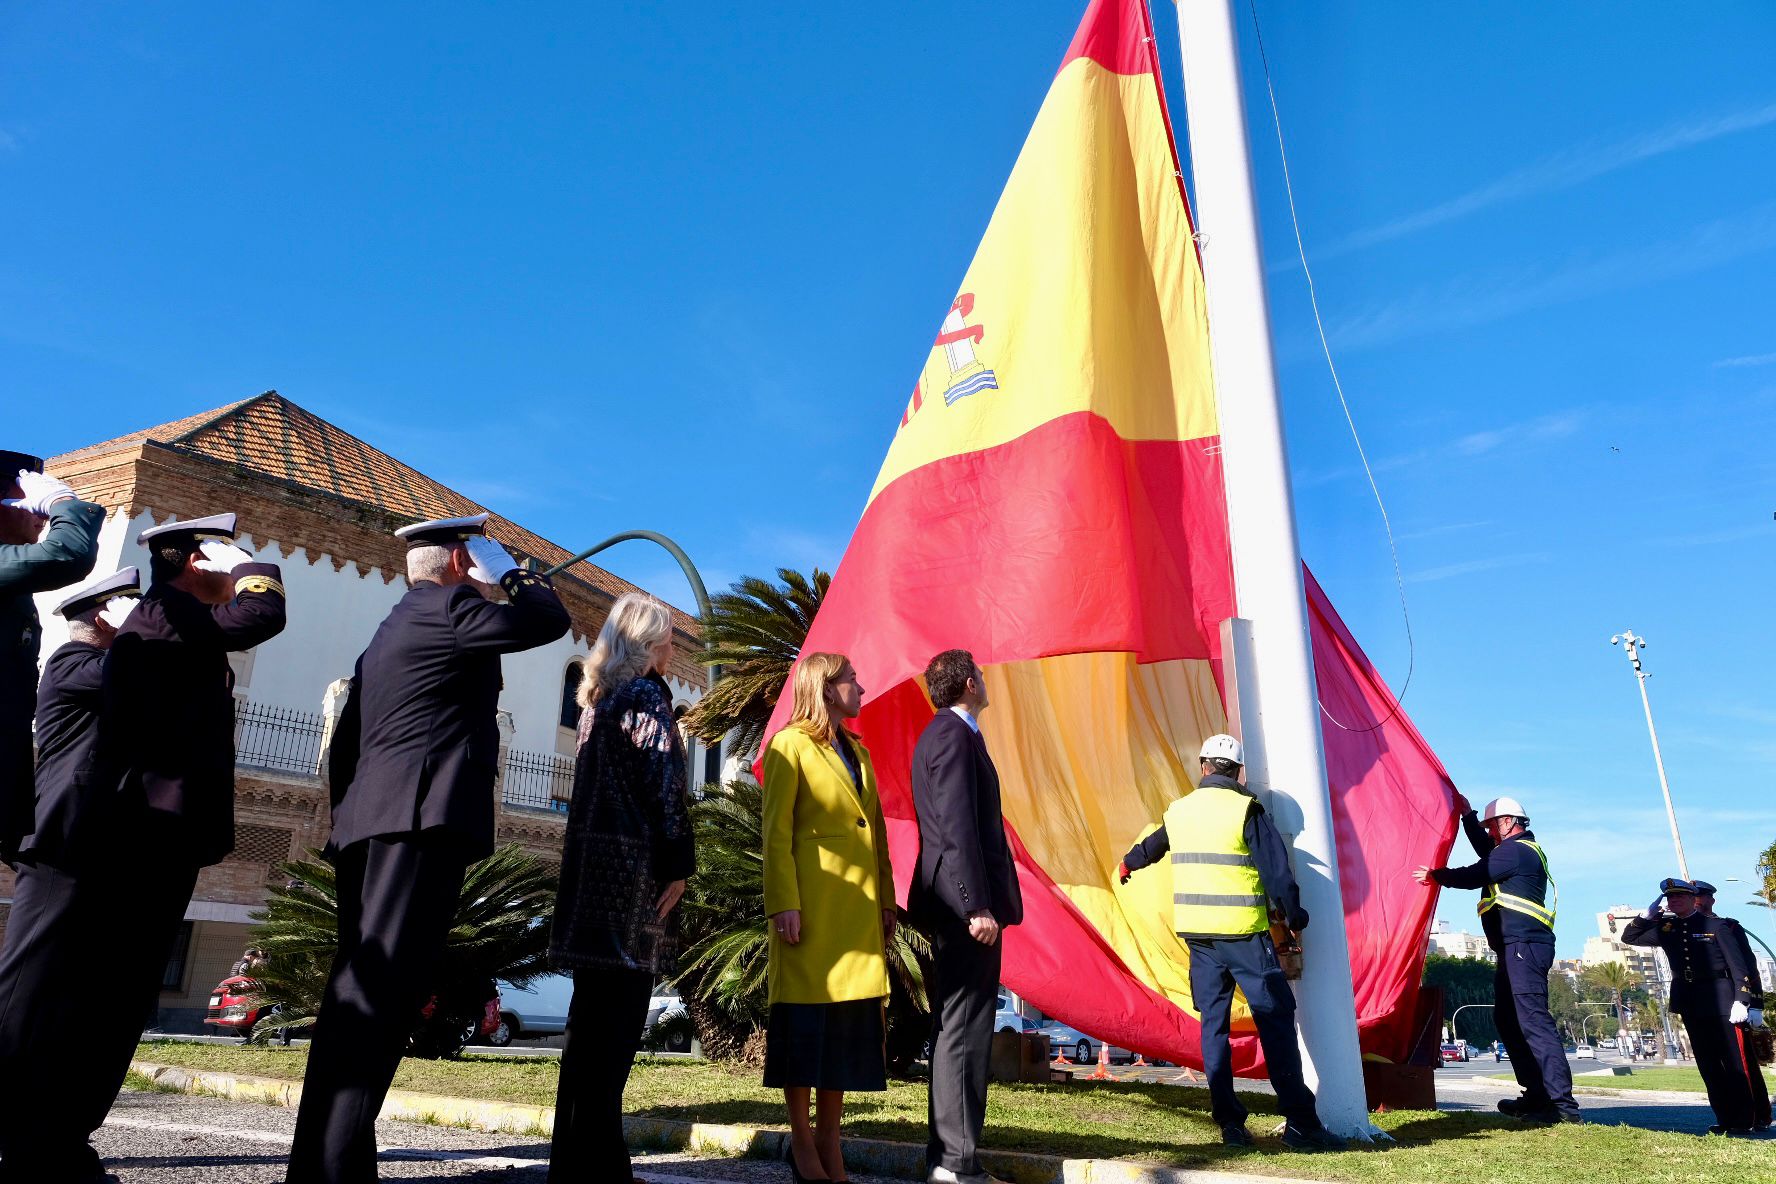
column 722, row 976
column 1615, row 978
column 754, row 632
column 500, row 931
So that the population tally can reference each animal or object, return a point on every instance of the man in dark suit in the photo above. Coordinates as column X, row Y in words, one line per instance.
column 412, row 772
column 57, row 901
column 48, row 539
column 964, row 893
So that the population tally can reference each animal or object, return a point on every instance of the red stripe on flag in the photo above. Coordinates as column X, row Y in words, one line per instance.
column 1117, row 35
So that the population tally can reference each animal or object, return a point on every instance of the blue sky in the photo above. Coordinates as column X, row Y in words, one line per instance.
column 674, row 267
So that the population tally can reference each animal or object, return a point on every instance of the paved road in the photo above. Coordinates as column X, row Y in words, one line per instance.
column 173, row 1139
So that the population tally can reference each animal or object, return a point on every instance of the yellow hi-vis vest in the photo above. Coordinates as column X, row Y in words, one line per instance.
column 1542, row 910
column 1215, row 885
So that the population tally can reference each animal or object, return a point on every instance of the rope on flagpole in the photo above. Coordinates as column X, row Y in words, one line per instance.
column 1337, row 385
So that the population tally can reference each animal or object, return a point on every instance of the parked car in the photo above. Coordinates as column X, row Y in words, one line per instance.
column 536, row 1010
column 1606, row 1044
column 228, row 1010
column 665, row 1004
column 1078, row 1045
column 1451, row 1052
column 1586, row 1053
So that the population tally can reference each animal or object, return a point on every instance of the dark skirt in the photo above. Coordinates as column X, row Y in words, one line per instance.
column 827, row 1046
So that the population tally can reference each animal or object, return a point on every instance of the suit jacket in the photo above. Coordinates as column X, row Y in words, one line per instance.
column 63, row 556
column 964, row 859
column 417, row 746
column 68, row 701
column 826, row 854
column 166, row 730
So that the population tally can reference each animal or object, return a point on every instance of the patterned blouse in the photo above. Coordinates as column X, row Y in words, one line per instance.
column 628, row 835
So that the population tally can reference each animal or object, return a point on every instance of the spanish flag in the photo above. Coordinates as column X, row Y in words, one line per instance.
column 1053, row 501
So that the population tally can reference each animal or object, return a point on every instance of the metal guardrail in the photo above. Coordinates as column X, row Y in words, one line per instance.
column 538, row 781
column 279, row 738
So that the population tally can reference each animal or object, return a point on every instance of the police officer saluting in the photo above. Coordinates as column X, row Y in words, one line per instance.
column 1229, row 869
column 412, row 775
column 1754, row 1073
column 1517, row 905
column 57, row 901
column 48, row 539
column 1713, row 988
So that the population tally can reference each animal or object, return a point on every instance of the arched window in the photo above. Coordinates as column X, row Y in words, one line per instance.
column 570, row 690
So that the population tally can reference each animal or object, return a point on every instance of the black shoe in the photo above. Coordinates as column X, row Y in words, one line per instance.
column 1741, row 1132
column 1319, row 1139
column 1521, row 1107
column 1235, row 1134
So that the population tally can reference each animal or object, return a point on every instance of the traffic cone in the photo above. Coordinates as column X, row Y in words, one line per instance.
column 1061, row 1059
column 1102, row 1072
column 1140, row 1062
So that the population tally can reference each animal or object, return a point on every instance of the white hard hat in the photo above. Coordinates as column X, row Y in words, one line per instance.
column 1504, row 808
column 1222, row 747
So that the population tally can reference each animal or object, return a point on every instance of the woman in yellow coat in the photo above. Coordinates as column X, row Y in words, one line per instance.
column 829, row 892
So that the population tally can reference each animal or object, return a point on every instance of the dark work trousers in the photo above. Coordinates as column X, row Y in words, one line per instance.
column 1217, row 965
column 63, row 1056
column 964, row 996
column 605, row 1021
column 397, row 894
column 1754, row 1077
column 1716, row 1045
column 1520, row 1013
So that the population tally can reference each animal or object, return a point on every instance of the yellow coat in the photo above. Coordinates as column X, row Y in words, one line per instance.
column 826, row 853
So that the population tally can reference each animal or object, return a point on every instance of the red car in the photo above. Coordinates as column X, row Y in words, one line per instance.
column 229, row 1009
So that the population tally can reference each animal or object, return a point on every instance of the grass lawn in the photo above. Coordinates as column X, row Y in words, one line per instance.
column 1659, row 1078
column 1159, row 1123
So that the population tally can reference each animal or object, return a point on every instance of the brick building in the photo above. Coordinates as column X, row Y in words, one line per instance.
column 324, row 504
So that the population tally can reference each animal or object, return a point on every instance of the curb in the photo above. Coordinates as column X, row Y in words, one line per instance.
column 876, row 1156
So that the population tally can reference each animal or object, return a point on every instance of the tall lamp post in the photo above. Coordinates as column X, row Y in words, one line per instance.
column 1632, row 645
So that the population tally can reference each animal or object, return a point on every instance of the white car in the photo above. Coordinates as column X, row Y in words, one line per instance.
column 1080, row 1047
column 1006, row 1020
column 537, row 1010
column 1586, row 1053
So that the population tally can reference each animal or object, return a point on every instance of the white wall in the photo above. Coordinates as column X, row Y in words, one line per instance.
column 332, row 616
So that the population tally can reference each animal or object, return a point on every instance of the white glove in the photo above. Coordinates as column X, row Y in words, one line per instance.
column 1740, row 1013
column 220, row 556
column 491, row 561
column 1756, row 1014
column 117, row 610
column 39, row 492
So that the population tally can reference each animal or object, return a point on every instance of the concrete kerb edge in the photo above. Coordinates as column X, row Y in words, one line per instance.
column 878, row 1157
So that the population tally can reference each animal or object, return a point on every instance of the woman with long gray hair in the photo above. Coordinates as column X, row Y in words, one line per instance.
column 626, row 857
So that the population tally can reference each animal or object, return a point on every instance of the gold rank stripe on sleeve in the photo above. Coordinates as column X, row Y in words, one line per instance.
column 258, row 584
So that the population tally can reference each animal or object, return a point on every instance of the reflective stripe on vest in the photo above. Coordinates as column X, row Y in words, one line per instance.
column 1491, row 897
column 1215, row 883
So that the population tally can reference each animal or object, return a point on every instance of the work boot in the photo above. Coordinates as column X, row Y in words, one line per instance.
column 1235, row 1134
column 1318, row 1139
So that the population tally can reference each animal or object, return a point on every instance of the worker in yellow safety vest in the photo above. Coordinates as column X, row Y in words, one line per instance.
column 1230, row 870
column 1517, row 903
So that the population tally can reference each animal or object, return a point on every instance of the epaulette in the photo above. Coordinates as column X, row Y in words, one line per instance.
column 523, row 576
column 258, row 584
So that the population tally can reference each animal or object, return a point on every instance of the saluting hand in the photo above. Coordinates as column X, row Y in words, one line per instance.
column 789, row 925
column 669, row 898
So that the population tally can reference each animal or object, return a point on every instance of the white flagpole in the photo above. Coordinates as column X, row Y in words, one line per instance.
column 1281, row 730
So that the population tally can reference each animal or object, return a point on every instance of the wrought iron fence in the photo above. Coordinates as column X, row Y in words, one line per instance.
column 538, row 780
column 280, row 738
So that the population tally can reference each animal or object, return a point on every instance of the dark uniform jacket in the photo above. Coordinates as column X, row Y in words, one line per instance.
column 68, row 702
column 417, row 746
column 1708, row 971
column 1262, row 840
column 1516, row 869
column 965, row 861
column 64, row 555
column 166, row 735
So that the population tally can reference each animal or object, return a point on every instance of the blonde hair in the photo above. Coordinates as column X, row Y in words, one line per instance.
column 625, row 645
column 813, row 674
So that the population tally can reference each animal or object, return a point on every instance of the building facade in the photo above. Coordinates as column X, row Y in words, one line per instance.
column 1455, row 943
column 324, row 505
column 1645, row 964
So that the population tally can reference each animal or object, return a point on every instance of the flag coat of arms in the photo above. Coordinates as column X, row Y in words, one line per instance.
column 1053, row 502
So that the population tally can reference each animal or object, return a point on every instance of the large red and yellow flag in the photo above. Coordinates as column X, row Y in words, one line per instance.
column 1053, row 502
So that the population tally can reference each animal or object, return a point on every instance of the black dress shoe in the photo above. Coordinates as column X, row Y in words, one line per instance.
column 1235, row 1134
column 1318, row 1139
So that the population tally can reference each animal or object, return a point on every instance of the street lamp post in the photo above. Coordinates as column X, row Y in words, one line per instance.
column 1458, row 1011
column 1632, row 645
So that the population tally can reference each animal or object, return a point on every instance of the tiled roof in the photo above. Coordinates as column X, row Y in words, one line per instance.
column 272, row 436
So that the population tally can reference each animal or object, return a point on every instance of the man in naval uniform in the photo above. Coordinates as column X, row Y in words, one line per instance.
column 1731, row 930
column 412, row 769
column 48, row 539
column 59, row 899
column 166, row 753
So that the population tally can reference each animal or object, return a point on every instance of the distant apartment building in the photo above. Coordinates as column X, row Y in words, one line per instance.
column 324, row 504
column 1645, row 964
column 1455, row 943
